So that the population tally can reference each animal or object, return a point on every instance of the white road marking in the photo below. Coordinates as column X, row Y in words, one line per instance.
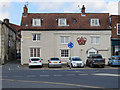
column 9, row 69
column 106, row 74
column 18, row 66
column 31, row 75
column 3, row 76
column 44, row 75
column 58, row 75
column 70, row 74
column 82, row 74
column 17, row 76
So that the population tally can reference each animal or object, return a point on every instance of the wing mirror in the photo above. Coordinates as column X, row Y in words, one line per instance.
column 42, row 59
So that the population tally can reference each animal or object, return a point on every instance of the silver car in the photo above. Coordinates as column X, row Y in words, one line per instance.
column 54, row 62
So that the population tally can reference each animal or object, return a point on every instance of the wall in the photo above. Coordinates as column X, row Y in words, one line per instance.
column 50, row 44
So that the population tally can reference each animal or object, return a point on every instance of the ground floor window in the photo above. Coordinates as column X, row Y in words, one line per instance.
column 117, row 50
column 34, row 52
column 65, row 53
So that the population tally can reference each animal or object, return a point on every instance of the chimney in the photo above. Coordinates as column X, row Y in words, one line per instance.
column 6, row 20
column 25, row 10
column 83, row 9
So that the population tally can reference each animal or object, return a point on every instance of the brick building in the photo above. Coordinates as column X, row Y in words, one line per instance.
column 115, row 39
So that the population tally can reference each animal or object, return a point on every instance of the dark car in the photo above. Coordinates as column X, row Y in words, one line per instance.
column 95, row 60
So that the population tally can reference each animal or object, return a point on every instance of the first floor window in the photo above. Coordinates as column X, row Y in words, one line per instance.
column 64, row 39
column 64, row 53
column 34, row 52
column 36, row 37
column 95, row 40
column 118, row 29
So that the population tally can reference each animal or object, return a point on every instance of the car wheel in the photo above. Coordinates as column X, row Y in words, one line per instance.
column 29, row 66
column 103, row 66
column 108, row 64
column 71, row 65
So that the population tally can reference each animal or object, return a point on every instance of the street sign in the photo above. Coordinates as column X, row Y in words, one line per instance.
column 70, row 45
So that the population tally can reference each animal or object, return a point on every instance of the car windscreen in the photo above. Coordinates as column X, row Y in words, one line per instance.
column 76, row 59
column 97, row 56
column 54, row 59
column 35, row 59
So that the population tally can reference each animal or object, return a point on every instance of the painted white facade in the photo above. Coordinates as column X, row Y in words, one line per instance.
column 50, row 44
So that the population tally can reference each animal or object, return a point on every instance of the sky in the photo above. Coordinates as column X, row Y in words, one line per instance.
column 13, row 9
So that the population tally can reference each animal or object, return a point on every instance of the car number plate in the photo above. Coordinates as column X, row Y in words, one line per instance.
column 99, row 63
column 35, row 62
column 55, row 62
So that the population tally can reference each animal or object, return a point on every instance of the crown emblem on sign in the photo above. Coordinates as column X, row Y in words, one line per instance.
column 82, row 40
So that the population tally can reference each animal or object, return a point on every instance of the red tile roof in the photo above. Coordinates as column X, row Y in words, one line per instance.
column 49, row 21
column 17, row 27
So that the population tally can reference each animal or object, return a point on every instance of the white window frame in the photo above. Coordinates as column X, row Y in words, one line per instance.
column 95, row 42
column 93, row 22
column 37, row 20
column 33, row 51
column 68, row 53
column 64, row 20
column 117, row 29
column 64, row 39
column 36, row 37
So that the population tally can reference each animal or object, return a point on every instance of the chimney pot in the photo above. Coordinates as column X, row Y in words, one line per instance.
column 25, row 10
column 6, row 20
column 83, row 9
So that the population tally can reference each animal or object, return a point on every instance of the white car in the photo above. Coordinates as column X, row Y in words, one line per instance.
column 35, row 61
column 75, row 61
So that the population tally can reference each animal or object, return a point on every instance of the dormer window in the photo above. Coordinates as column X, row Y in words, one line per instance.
column 62, row 22
column 118, row 29
column 36, row 22
column 94, row 22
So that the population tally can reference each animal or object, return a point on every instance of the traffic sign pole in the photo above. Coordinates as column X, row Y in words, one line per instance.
column 70, row 45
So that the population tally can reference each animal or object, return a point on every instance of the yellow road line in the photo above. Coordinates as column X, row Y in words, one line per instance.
column 67, row 84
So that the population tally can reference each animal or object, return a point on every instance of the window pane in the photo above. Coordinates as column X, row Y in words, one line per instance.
column 62, row 39
column 31, row 52
column 34, row 52
column 118, row 29
column 34, row 36
column 38, row 36
column 64, row 53
column 66, row 40
column 38, row 52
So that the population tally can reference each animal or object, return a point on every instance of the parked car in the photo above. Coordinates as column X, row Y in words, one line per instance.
column 75, row 61
column 114, row 60
column 54, row 62
column 95, row 60
column 35, row 61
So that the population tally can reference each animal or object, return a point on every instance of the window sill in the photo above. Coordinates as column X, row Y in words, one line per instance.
column 64, row 43
column 95, row 44
column 36, row 41
column 63, row 25
column 64, row 57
